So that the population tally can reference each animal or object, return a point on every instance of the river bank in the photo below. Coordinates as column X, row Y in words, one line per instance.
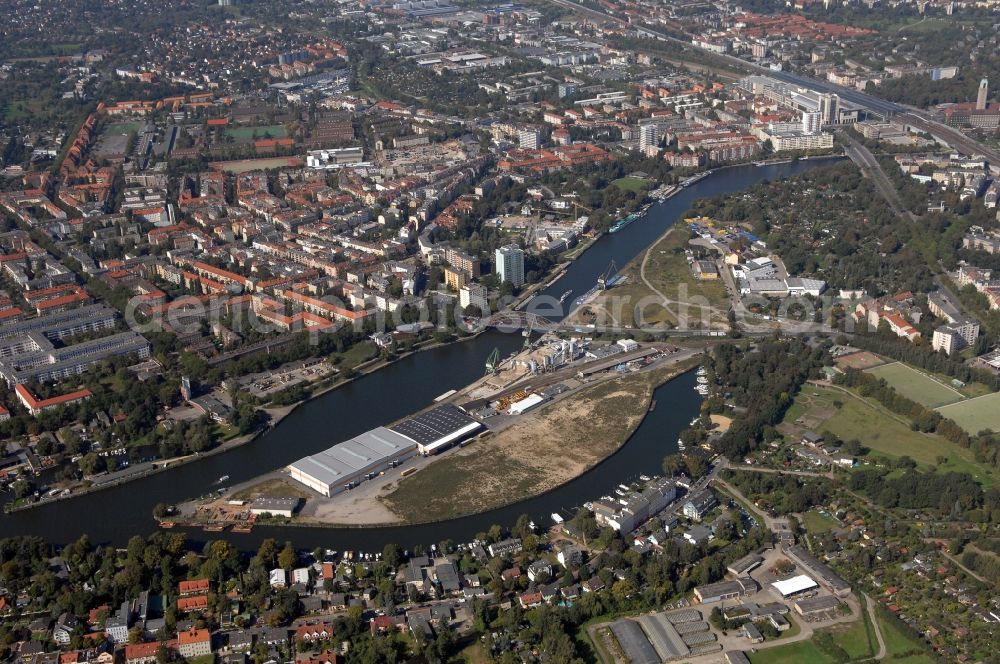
column 275, row 415
column 539, row 454
column 399, row 389
column 552, row 447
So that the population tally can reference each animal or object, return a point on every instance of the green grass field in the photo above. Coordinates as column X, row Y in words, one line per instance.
column 897, row 642
column 854, row 639
column 977, row 414
column 359, row 353
column 123, row 128
column 632, row 184
column 916, row 385
column 885, row 433
column 815, row 522
column 269, row 131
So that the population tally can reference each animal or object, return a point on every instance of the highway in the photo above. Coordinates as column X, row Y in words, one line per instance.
column 911, row 116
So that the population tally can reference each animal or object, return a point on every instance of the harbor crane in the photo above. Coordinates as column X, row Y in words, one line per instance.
column 493, row 363
column 605, row 277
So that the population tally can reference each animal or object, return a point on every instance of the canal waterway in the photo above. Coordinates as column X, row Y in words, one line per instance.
column 401, row 388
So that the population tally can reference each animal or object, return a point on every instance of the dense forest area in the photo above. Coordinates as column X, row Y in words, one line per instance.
column 763, row 383
column 954, row 494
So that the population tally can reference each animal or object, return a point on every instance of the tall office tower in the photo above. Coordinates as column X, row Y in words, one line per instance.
column 829, row 108
column 510, row 264
column 649, row 135
column 812, row 122
column 529, row 138
column 983, row 95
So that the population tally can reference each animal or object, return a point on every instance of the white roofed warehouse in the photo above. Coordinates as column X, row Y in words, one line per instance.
column 363, row 457
column 346, row 464
column 794, row 586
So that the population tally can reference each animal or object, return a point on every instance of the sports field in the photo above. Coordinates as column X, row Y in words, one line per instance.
column 246, row 133
column 977, row 414
column 631, row 184
column 916, row 385
column 123, row 128
column 861, row 360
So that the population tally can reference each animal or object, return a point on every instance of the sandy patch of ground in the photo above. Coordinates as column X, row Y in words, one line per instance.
column 548, row 448
column 721, row 423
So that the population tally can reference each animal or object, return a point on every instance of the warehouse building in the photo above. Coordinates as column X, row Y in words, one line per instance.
column 285, row 507
column 815, row 605
column 437, row 429
column 827, row 577
column 794, row 586
column 346, row 464
column 717, row 592
column 363, row 457
column 745, row 564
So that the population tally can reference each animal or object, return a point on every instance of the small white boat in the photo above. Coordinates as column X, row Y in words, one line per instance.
column 555, row 517
column 222, row 479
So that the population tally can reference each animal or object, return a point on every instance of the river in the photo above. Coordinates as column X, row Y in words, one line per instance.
column 408, row 385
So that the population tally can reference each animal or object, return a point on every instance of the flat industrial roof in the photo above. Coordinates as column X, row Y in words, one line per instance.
column 435, row 424
column 796, row 584
column 821, row 603
column 346, row 459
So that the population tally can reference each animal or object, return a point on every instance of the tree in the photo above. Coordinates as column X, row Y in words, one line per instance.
column 220, row 550
column 267, row 551
column 287, row 558
column 495, row 533
column 91, row 464
column 392, row 555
